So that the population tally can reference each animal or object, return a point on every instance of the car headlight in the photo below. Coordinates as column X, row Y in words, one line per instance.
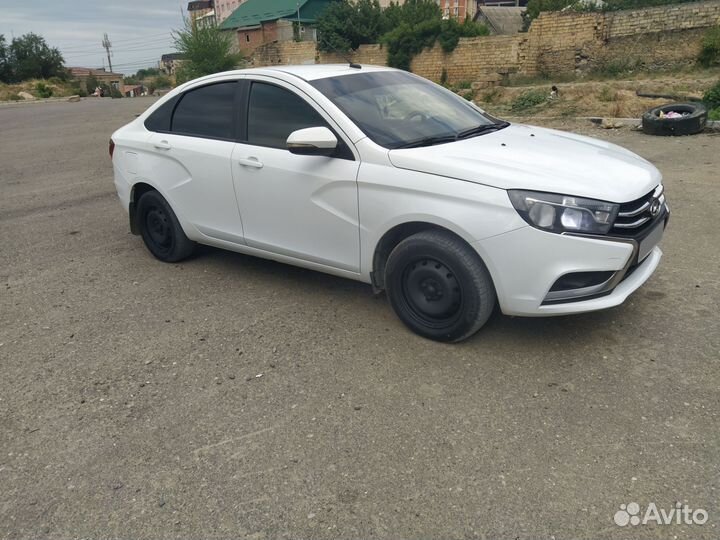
column 564, row 213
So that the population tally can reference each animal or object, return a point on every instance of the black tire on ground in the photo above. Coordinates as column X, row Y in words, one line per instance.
column 693, row 123
column 438, row 286
column 161, row 230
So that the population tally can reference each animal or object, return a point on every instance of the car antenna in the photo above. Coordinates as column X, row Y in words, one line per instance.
column 346, row 57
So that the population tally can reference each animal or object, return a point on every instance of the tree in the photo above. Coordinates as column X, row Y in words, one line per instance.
column 5, row 71
column 418, row 24
column 30, row 57
column 346, row 25
column 205, row 50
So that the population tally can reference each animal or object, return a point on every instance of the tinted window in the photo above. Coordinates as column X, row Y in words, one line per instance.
column 160, row 119
column 208, row 111
column 275, row 113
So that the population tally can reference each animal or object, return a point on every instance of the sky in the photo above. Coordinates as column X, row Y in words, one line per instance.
column 140, row 31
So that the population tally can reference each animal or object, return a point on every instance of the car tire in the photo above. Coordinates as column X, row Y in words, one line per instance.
column 694, row 122
column 438, row 286
column 161, row 230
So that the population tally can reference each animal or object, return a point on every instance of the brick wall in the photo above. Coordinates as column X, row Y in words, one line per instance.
column 557, row 42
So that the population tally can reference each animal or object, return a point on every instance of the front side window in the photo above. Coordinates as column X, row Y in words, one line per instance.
column 275, row 113
column 208, row 111
column 396, row 109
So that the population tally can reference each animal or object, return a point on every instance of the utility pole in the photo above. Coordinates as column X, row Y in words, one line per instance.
column 107, row 45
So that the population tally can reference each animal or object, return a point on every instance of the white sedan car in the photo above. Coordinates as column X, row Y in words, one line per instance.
column 381, row 176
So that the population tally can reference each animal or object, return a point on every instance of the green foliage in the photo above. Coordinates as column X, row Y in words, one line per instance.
column 29, row 57
column 421, row 25
column 712, row 97
column 528, row 100
column 115, row 93
column 405, row 29
column 143, row 74
column 344, row 26
column 714, row 114
column 205, row 50
column 161, row 81
column 5, row 67
column 43, row 90
column 710, row 48
column 15, row 97
column 443, row 77
column 534, row 7
column 91, row 83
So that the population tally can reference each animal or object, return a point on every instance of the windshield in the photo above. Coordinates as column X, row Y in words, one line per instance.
column 399, row 110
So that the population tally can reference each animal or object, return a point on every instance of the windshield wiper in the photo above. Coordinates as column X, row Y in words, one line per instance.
column 428, row 141
column 465, row 134
column 479, row 130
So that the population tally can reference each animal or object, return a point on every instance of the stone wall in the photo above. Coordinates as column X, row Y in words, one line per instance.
column 556, row 43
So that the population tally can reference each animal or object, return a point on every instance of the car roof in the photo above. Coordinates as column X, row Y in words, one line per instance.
column 323, row 71
column 312, row 72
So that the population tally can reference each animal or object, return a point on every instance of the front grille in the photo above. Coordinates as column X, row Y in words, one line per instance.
column 637, row 216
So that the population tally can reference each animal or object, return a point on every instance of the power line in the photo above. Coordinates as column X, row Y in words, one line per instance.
column 123, row 40
column 139, row 43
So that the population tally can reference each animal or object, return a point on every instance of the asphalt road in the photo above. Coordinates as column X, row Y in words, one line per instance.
column 231, row 397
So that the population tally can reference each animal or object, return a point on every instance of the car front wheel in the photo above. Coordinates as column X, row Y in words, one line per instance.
column 438, row 286
column 161, row 230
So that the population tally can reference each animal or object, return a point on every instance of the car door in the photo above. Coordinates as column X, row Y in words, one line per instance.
column 304, row 207
column 192, row 159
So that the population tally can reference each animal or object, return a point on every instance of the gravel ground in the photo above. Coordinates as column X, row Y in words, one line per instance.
column 232, row 397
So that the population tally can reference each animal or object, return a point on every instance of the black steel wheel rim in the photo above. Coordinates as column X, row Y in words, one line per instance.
column 432, row 292
column 159, row 230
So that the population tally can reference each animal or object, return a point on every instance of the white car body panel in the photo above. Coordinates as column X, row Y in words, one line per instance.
column 329, row 214
column 590, row 168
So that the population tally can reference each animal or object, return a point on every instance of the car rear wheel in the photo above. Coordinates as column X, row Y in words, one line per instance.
column 438, row 286
column 161, row 230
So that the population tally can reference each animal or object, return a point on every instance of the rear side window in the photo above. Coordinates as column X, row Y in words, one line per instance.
column 161, row 118
column 274, row 113
column 208, row 112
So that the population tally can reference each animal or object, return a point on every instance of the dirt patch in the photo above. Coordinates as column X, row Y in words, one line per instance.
column 610, row 98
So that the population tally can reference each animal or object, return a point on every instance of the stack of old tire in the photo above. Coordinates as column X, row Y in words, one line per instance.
column 693, row 118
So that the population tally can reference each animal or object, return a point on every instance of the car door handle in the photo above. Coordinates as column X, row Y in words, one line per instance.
column 162, row 145
column 251, row 162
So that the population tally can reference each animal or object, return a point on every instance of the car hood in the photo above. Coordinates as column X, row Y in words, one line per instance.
column 527, row 157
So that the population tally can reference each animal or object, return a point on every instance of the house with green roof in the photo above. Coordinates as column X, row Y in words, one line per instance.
column 257, row 22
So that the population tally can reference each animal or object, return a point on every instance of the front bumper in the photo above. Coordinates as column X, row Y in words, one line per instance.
column 525, row 263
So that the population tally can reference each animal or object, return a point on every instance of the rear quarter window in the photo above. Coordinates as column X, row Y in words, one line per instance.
column 160, row 119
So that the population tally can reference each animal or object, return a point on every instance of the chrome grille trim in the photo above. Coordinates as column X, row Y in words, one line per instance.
column 632, row 225
column 636, row 214
column 633, row 213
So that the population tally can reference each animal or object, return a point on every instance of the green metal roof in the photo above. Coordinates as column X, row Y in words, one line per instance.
column 255, row 12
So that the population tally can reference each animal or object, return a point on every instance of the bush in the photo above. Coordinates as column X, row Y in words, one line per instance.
column 710, row 48
column 528, row 100
column 161, row 81
column 712, row 97
column 43, row 90
column 714, row 114
column 407, row 40
column 15, row 97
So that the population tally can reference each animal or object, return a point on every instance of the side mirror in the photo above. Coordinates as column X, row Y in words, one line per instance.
column 314, row 141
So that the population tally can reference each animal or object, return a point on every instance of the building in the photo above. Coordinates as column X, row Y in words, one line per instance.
column 501, row 20
column 82, row 74
column 257, row 22
column 202, row 12
column 225, row 8
column 458, row 9
column 169, row 63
